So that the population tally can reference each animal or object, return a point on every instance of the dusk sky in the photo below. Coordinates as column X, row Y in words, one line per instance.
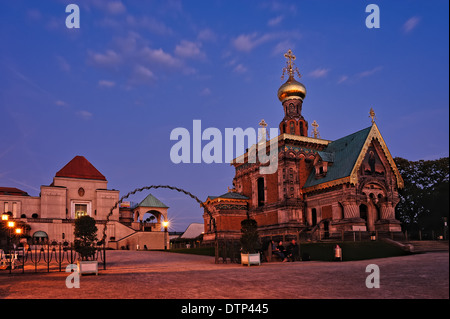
column 114, row 89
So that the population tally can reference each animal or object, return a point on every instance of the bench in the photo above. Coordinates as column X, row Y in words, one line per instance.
column 272, row 256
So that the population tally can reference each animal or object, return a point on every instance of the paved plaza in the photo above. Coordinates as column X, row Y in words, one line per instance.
column 155, row 275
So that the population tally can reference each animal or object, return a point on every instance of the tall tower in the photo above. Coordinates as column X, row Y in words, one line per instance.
column 291, row 95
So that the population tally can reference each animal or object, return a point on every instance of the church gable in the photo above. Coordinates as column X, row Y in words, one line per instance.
column 375, row 159
column 352, row 154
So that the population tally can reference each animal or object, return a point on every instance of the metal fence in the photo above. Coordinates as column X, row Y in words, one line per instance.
column 48, row 257
column 228, row 251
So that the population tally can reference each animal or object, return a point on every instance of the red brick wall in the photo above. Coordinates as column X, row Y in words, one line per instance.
column 303, row 172
column 327, row 212
column 270, row 218
column 229, row 222
column 272, row 187
column 246, row 186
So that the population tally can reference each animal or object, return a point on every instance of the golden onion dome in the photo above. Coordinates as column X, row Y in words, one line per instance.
column 292, row 89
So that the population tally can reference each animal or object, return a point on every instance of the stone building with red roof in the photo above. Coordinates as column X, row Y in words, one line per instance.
column 79, row 189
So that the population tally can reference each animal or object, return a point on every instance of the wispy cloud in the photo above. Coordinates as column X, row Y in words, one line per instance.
column 112, row 7
column 411, row 24
column 116, row 7
column 188, row 49
column 275, row 21
column 85, row 115
column 282, row 46
column 364, row 74
column 26, row 185
column 108, row 59
column 106, row 83
column 205, row 92
column 63, row 64
column 318, row 73
column 141, row 74
column 207, row 35
column 369, row 72
column 247, row 42
column 61, row 103
column 342, row 79
column 240, row 69
column 161, row 57
column 149, row 23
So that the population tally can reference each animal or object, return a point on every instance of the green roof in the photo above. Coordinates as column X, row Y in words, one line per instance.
column 151, row 201
column 230, row 195
column 345, row 153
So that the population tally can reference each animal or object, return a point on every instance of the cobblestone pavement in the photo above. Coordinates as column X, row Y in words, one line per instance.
column 153, row 275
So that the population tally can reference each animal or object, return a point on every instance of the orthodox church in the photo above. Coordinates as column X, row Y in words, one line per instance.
column 350, row 184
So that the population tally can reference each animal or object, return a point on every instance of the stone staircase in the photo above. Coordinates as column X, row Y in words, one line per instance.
column 428, row 245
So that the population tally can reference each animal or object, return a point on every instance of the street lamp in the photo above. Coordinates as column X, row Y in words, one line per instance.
column 165, row 224
column 10, row 225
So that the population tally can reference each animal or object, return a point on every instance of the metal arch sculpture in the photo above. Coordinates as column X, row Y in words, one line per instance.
column 180, row 190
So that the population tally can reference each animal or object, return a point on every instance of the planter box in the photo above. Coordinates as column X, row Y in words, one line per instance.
column 250, row 259
column 87, row 267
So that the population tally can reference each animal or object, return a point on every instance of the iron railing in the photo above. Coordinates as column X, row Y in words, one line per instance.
column 44, row 258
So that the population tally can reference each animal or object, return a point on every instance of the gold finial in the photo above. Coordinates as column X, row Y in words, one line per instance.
column 290, row 65
column 372, row 115
column 232, row 190
column 315, row 131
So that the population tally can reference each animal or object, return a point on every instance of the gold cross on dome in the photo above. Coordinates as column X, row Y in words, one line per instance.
column 315, row 131
column 290, row 65
column 288, row 55
column 372, row 115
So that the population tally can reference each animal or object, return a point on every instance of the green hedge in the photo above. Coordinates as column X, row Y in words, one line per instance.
column 350, row 250
column 206, row 251
column 325, row 251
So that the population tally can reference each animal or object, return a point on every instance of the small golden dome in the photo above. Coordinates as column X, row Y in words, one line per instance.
column 292, row 89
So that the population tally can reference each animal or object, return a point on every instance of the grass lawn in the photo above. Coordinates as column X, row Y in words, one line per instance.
column 325, row 251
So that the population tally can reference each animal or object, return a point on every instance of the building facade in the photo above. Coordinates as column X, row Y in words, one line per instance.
column 79, row 189
column 350, row 184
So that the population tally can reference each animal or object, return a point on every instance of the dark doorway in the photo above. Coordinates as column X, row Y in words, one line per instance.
column 363, row 212
column 314, row 217
column 326, row 229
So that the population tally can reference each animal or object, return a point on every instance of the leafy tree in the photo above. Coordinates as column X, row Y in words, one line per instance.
column 424, row 201
column 249, row 236
column 85, row 233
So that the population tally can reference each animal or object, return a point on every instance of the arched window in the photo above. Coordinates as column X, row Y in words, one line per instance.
column 261, row 198
column 40, row 237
